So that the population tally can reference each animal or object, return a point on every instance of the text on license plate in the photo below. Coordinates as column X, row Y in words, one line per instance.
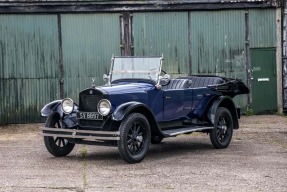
column 89, row 115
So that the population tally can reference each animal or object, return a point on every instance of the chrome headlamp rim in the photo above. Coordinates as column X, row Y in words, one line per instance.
column 108, row 108
column 64, row 109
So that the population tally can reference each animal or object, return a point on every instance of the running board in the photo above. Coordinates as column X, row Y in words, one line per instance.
column 178, row 131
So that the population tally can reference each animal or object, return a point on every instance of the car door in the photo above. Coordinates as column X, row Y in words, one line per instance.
column 177, row 104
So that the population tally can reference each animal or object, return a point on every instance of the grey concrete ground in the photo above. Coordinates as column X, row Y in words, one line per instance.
column 256, row 160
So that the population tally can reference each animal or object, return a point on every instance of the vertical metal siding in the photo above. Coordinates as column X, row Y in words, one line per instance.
column 28, row 66
column 284, row 46
column 163, row 33
column 89, row 40
column 262, row 28
column 218, row 44
column 29, row 51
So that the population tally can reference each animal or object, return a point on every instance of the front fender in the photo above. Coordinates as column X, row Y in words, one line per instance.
column 227, row 102
column 55, row 106
column 124, row 109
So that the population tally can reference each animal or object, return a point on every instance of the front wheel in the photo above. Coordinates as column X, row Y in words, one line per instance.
column 134, row 138
column 57, row 146
column 221, row 135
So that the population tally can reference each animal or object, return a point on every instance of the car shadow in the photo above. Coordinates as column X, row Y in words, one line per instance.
column 157, row 152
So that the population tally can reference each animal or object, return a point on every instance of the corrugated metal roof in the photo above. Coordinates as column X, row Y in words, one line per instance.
column 120, row 6
column 145, row 2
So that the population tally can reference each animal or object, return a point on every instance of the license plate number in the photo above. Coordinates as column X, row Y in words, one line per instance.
column 89, row 115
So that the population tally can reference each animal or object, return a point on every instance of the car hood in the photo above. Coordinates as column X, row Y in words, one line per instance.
column 128, row 88
column 123, row 93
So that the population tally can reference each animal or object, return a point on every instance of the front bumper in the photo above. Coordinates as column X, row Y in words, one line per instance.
column 80, row 134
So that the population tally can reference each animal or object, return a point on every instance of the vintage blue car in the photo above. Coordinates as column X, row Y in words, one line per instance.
column 139, row 105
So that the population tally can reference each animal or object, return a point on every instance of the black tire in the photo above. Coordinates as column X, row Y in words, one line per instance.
column 221, row 135
column 156, row 139
column 57, row 146
column 134, row 138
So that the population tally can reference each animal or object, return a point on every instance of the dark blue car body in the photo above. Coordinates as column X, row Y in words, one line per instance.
column 142, row 111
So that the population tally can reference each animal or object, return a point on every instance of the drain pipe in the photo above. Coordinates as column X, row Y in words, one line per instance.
column 248, row 62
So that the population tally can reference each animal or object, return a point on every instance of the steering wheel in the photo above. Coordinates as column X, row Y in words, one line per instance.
column 162, row 71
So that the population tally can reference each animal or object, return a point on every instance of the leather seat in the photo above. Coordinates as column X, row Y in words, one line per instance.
column 199, row 81
column 177, row 84
column 204, row 81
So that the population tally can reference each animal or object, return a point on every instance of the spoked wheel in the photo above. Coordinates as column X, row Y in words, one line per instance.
column 134, row 138
column 57, row 146
column 221, row 135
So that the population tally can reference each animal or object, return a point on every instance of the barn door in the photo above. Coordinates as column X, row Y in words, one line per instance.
column 264, row 88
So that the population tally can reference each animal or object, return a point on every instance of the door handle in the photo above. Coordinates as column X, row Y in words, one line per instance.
column 167, row 97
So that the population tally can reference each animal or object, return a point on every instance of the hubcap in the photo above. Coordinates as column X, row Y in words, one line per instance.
column 60, row 142
column 135, row 138
column 222, row 128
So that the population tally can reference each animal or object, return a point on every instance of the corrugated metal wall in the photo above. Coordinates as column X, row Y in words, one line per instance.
column 262, row 28
column 28, row 66
column 205, row 42
column 89, row 40
column 199, row 42
column 218, row 45
column 163, row 33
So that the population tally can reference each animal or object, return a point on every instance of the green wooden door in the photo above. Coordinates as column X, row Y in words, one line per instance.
column 264, row 88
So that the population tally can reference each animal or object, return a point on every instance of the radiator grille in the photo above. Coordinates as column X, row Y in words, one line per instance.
column 88, row 103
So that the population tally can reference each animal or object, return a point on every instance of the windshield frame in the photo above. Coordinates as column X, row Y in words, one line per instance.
column 155, row 81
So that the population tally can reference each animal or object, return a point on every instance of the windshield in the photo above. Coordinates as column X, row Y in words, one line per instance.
column 135, row 68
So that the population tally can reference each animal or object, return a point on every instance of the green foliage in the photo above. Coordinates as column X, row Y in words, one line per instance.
column 249, row 111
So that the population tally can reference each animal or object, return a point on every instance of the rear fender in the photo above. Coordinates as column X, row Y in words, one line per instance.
column 227, row 102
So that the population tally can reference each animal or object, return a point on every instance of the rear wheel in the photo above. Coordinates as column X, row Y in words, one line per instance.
column 57, row 146
column 134, row 138
column 221, row 135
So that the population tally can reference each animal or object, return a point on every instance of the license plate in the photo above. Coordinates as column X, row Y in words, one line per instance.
column 89, row 115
